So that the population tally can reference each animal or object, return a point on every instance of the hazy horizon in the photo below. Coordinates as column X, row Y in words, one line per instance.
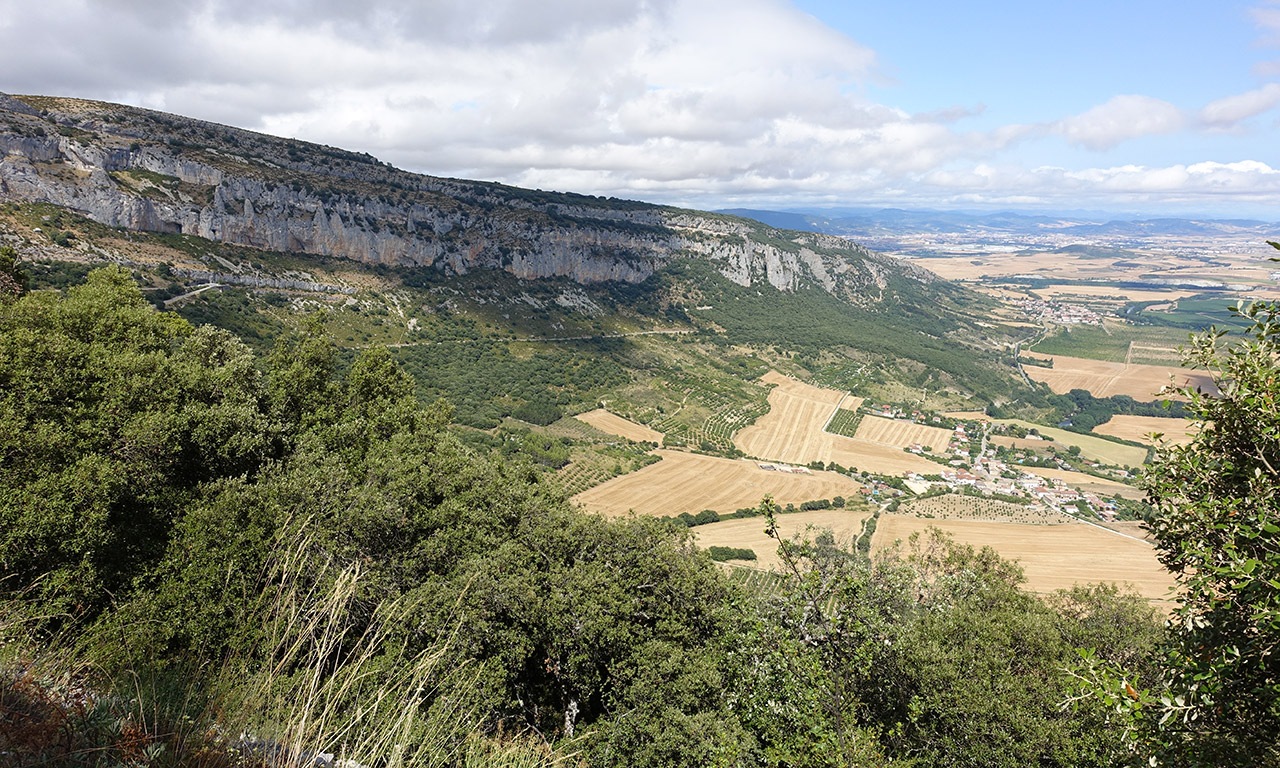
column 1141, row 109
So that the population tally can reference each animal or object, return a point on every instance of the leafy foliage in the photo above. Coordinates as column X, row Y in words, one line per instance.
column 1217, row 527
column 153, row 476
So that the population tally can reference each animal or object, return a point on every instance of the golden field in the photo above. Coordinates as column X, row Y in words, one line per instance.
column 1139, row 429
column 616, row 425
column 1104, row 379
column 1052, row 556
column 792, row 432
column 690, row 482
column 902, row 434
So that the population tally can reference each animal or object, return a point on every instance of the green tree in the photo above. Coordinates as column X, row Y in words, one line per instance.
column 1217, row 528
column 13, row 281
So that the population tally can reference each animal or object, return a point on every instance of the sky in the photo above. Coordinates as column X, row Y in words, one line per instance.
column 1126, row 106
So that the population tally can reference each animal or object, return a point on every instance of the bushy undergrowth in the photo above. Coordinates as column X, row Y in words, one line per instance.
column 216, row 559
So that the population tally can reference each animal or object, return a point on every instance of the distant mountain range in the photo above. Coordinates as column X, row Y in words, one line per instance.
column 876, row 225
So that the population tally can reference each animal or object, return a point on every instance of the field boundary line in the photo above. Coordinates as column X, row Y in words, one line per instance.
column 1109, row 530
column 834, row 411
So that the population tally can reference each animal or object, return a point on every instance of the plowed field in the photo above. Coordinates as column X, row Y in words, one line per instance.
column 688, row 482
column 1053, row 556
column 616, row 425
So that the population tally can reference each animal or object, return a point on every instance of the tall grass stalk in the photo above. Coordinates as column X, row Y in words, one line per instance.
column 336, row 680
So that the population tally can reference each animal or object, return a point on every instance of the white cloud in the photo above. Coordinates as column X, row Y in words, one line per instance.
column 1119, row 119
column 1266, row 18
column 1225, row 113
column 700, row 101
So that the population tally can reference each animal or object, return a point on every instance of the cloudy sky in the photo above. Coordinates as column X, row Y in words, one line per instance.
column 1116, row 105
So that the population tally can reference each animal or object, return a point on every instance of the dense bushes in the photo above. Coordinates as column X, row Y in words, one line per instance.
column 291, row 544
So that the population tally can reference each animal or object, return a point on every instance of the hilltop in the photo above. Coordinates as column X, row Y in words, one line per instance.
column 144, row 170
column 409, row 259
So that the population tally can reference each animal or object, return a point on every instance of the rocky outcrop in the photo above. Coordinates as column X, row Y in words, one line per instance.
column 144, row 170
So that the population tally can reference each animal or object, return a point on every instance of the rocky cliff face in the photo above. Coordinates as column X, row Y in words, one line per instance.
column 151, row 171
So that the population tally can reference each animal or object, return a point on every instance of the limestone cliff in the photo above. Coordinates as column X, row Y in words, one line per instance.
column 145, row 170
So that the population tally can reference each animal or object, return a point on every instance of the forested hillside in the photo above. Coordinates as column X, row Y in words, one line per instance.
column 285, row 227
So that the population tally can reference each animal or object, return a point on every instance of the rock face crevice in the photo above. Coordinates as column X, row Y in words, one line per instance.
column 143, row 170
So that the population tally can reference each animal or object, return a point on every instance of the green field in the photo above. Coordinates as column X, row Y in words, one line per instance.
column 1198, row 312
column 1094, row 448
column 1112, row 343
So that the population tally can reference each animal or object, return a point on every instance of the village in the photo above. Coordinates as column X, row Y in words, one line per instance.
column 972, row 464
column 1059, row 312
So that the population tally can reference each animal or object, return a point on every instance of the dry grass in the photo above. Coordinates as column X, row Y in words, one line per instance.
column 616, row 425
column 967, row 415
column 748, row 532
column 1104, row 379
column 1139, row 429
column 1053, row 556
column 687, row 482
column 333, row 676
column 902, row 434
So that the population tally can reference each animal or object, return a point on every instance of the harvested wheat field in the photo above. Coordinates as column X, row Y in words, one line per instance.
column 967, row 415
column 954, row 506
column 1052, row 556
column 873, row 457
column 1104, row 379
column 797, row 414
column 792, row 432
column 616, row 425
column 1089, row 483
column 1139, row 429
column 749, row 531
column 1135, row 528
column 689, row 482
column 901, row 433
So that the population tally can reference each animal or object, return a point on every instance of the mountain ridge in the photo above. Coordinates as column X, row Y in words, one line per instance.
column 145, row 170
